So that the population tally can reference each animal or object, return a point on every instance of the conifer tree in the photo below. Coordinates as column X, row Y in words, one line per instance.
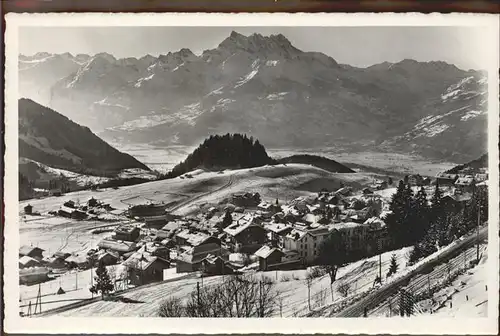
column 228, row 219
column 421, row 214
column 102, row 280
column 393, row 267
column 396, row 219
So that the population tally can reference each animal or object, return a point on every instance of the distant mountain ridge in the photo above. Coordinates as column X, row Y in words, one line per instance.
column 52, row 139
column 264, row 86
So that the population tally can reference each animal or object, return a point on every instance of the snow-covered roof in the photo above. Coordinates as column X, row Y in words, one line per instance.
column 239, row 225
column 24, row 260
column 296, row 234
column 265, row 251
column 77, row 259
column 465, row 180
column 25, row 249
column 276, row 227
column 346, row 225
column 142, row 260
column 117, row 245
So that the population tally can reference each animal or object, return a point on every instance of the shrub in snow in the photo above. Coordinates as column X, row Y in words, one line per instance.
column 343, row 288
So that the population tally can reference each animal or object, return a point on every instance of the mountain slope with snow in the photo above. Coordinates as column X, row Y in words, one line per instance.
column 265, row 87
column 47, row 137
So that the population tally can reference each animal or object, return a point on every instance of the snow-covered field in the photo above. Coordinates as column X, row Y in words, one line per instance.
column 467, row 296
column 293, row 291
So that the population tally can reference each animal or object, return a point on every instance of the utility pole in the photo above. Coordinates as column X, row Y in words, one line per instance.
column 198, row 293
column 429, row 284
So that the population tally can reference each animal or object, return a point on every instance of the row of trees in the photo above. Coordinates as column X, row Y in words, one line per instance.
column 236, row 296
column 428, row 225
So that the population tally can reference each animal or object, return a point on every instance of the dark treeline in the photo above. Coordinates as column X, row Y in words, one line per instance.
column 224, row 151
column 429, row 225
column 474, row 164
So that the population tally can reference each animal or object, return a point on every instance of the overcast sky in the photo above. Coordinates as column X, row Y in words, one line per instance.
column 357, row 46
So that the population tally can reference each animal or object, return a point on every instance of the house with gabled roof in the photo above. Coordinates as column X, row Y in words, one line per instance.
column 268, row 256
column 31, row 251
column 144, row 268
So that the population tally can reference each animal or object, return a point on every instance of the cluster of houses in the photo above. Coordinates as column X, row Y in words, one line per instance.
column 245, row 232
column 464, row 180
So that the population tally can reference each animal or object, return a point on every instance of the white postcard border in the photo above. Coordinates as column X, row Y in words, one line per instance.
column 420, row 325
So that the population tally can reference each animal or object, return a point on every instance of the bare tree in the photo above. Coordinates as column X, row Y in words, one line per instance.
column 171, row 307
column 344, row 288
column 236, row 296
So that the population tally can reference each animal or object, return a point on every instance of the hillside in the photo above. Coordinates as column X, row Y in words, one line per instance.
column 264, row 86
column 481, row 162
column 220, row 152
column 50, row 138
column 317, row 161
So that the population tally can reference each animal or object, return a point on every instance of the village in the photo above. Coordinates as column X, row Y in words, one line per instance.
column 243, row 235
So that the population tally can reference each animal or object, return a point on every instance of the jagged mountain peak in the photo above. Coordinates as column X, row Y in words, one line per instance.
column 255, row 42
column 104, row 55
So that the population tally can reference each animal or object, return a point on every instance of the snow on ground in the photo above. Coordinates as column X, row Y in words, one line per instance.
column 75, row 285
column 291, row 286
column 467, row 296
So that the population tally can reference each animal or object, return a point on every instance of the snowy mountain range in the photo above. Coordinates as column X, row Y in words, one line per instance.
column 265, row 87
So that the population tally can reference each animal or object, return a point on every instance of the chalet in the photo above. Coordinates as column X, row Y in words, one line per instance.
column 108, row 257
column 268, row 256
column 61, row 254
column 215, row 265
column 191, row 260
column 465, row 184
column 265, row 206
column 127, row 232
column 77, row 261
column 31, row 251
column 147, row 210
column 120, row 247
column 26, row 262
column 72, row 213
column 28, row 210
column 156, row 250
column 446, row 179
column 157, row 222
column 144, row 268
column 69, row 204
column 55, row 192
column 55, row 262
column 33, row 275
column 188, row 237
column 246, row 200
column 246, row 235
column 367, row 191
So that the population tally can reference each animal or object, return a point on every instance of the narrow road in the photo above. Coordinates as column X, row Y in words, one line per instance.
column 372, row 300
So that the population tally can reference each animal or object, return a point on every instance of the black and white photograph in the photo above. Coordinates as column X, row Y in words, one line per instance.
column 331, row 168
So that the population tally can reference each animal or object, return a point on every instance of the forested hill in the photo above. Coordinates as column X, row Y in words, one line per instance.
column 50, row 138
column 317, row 161
column 226, row 151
